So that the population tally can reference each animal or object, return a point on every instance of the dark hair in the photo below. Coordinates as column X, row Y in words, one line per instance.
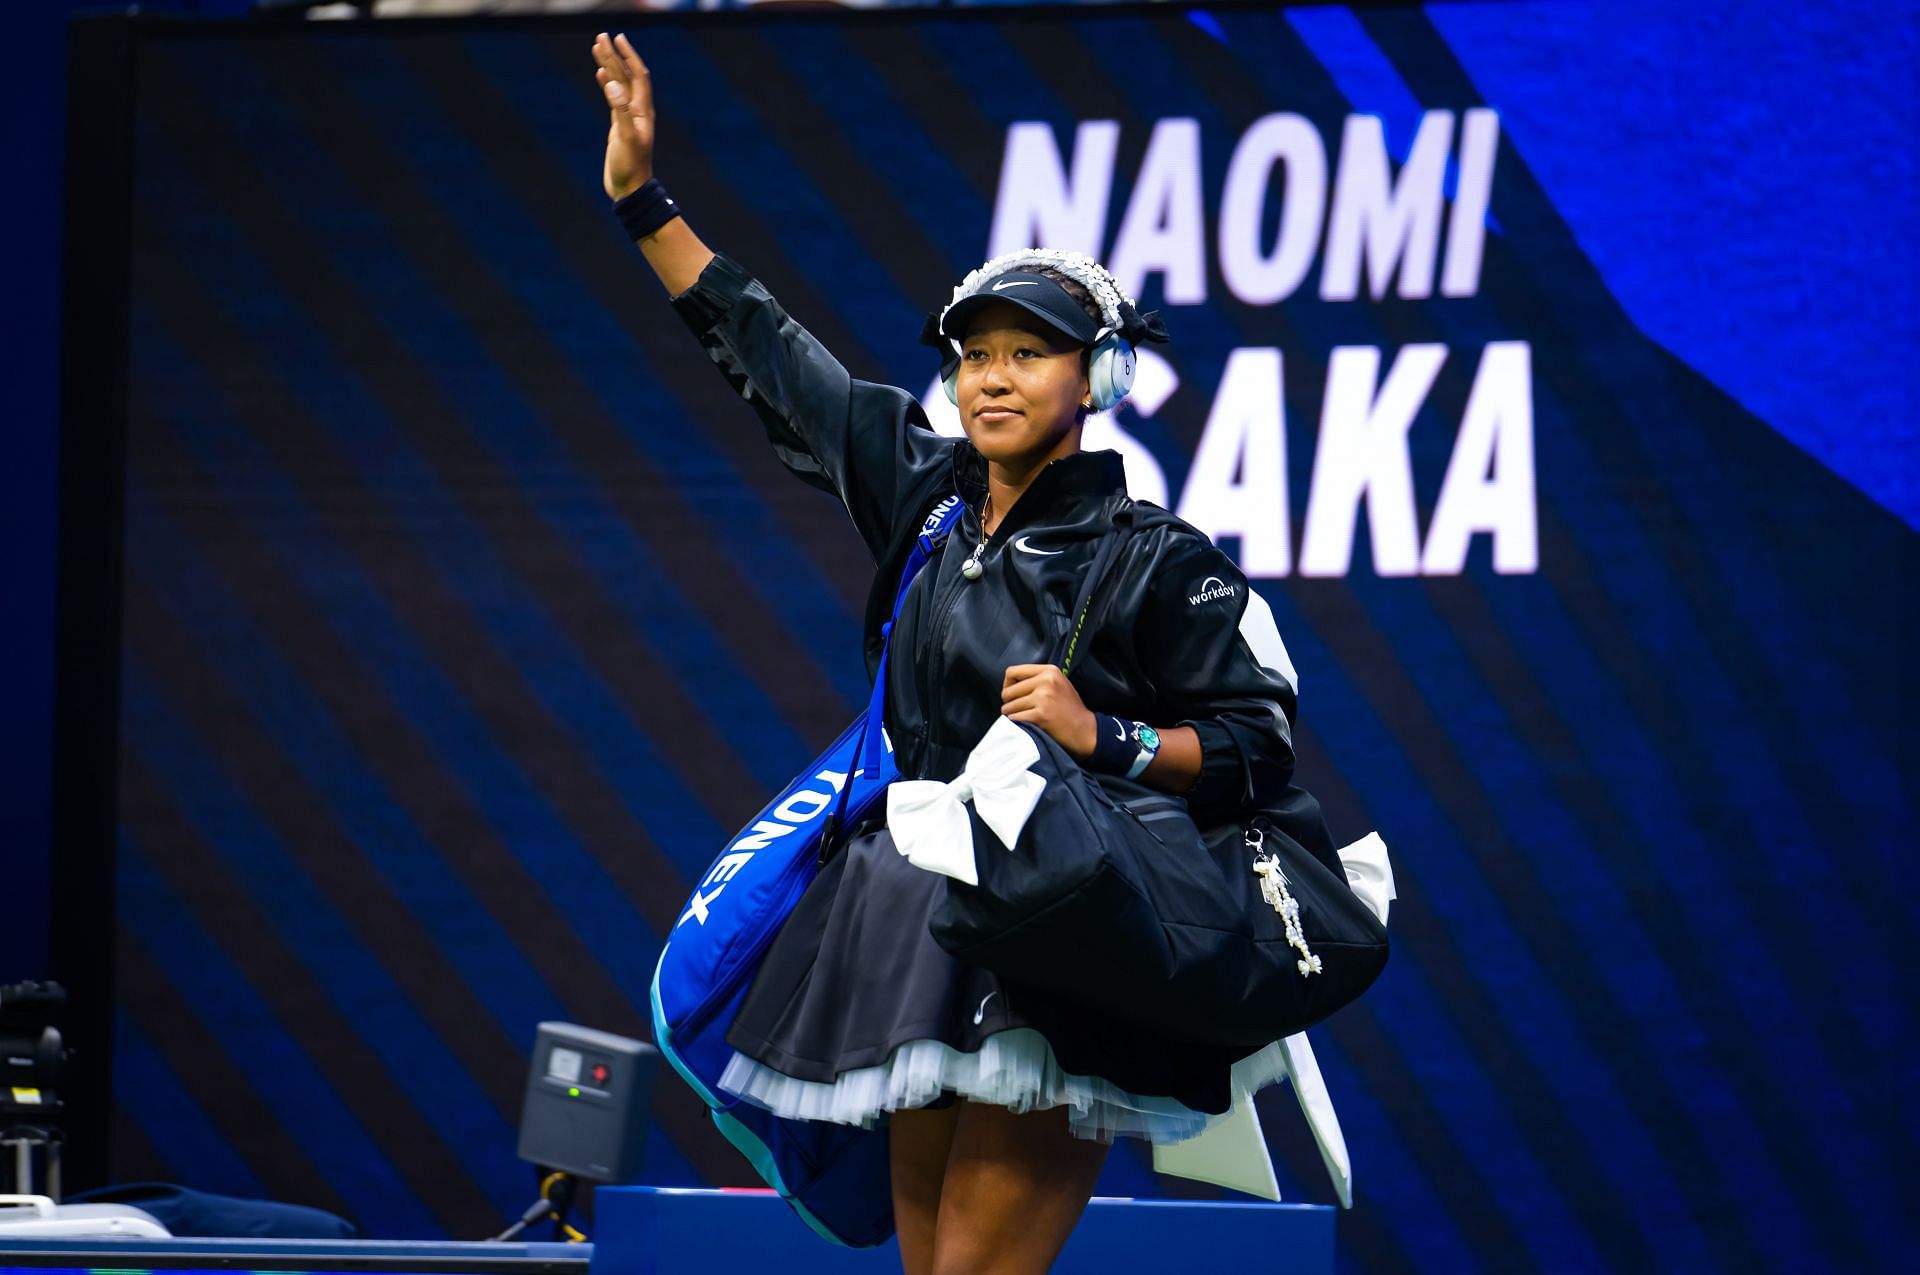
column 1075, row 289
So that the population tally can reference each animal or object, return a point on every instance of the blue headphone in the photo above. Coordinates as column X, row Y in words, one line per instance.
column 1110, row 371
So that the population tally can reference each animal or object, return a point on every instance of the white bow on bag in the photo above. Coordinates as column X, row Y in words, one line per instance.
column 929, row 822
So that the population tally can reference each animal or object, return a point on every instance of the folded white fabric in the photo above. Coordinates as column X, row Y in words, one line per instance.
column 1369, row 873
column 1232, row 1152
column 929, row 822
column 1316, row 1104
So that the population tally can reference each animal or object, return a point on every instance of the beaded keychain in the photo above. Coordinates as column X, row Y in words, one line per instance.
column 1273, row 888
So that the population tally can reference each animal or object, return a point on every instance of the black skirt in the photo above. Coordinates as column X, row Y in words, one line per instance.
column 857, row 1011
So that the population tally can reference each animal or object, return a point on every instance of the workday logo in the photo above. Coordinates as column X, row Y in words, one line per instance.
column 1210, row 588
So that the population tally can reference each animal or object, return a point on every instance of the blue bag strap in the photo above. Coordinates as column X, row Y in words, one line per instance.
column 933, row 531
column 939, row 522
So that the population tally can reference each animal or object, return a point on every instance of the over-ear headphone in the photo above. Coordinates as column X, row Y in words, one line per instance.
column 1110, row 369
column 1111, row 361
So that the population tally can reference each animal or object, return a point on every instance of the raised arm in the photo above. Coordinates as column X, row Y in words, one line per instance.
column 674, row 251
column 868, row 444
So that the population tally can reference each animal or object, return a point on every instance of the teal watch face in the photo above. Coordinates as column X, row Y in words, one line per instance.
column 1146, row 736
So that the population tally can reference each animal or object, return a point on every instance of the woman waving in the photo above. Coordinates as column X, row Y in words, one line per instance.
column 1000, row 1099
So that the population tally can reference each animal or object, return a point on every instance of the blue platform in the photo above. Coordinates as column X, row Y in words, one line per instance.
column 655, row 1230
column 190, row 1255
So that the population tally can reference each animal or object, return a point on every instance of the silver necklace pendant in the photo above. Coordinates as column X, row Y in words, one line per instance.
column 970, row 567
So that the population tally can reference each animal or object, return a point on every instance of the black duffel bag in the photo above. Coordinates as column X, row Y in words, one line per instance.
column 1113, row 897
column 1236, row 936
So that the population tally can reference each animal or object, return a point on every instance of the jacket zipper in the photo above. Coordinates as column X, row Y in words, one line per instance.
column 942, row 622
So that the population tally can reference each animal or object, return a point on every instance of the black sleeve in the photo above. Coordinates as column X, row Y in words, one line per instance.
column 1211, row 649
column 867, row 444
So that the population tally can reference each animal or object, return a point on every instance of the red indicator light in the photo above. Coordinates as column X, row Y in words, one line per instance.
column 600, row 1073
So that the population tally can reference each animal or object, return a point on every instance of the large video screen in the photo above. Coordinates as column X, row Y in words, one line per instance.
column 466, row 613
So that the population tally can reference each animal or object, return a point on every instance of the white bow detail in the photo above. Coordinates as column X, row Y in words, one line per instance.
column 930, row 825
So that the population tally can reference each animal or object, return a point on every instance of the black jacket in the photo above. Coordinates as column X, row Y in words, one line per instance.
column 1180, row 630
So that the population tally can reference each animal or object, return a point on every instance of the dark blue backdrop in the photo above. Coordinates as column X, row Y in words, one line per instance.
column 450, row 648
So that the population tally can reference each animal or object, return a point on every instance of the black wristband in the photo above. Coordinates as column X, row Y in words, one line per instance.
column 646, row 210
column 1114, row 749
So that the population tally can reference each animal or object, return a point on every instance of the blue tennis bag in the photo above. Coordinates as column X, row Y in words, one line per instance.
column 835, row 1176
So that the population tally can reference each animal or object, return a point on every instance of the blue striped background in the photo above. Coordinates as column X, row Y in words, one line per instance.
column 466, row 613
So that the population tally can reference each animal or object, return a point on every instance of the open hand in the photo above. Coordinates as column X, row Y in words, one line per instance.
column 1042, row 695
column 624, row 79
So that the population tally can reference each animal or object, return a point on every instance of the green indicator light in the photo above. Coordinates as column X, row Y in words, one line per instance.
column 573, row 1093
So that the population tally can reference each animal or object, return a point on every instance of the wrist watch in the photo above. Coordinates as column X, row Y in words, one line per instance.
column 1149, row 741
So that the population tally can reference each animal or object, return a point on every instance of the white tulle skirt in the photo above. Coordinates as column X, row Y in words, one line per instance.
column 1014, row 1069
